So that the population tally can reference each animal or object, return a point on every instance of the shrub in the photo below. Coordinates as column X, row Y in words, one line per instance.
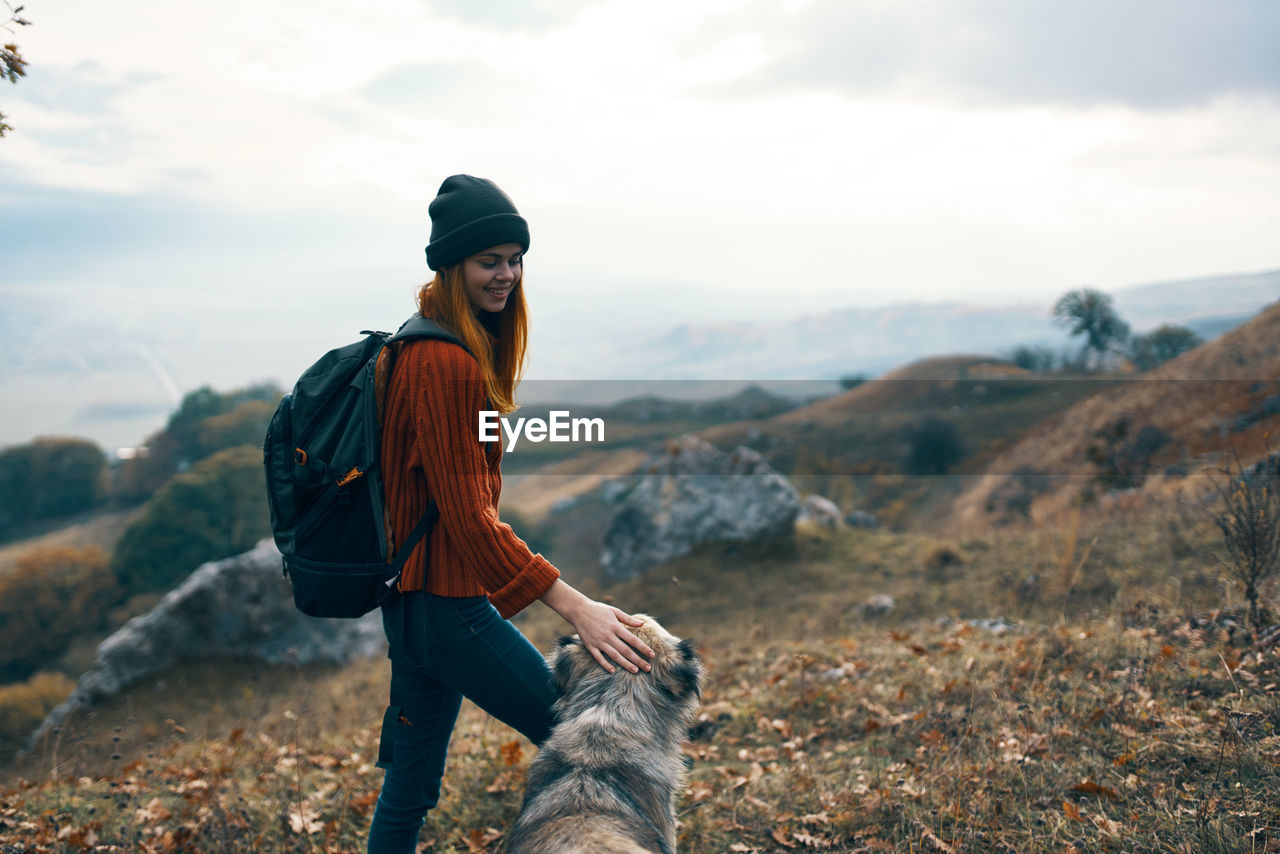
column 215, row 510
column 48, row 478
column 1124, row 455
column 24, row 705
column 1250, row 526
column 934, row 446
column 1035, row 359
column 1166, row 342
column 52, row 595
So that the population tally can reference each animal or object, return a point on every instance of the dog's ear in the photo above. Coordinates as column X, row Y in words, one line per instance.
column 688, row 670
column 562, row 664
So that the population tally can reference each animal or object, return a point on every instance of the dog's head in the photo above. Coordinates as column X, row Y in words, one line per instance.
column 676, row 670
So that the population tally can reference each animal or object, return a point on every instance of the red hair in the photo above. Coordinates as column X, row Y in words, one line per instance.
column 445, row 299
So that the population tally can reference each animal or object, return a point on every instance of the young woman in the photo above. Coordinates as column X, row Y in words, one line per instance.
column 448, row 631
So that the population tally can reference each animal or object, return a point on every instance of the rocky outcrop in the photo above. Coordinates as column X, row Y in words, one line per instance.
column 693, row 493
column 820, row 511
column 240, row 606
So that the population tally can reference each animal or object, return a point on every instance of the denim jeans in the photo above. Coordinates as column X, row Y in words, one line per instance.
column 441, row 650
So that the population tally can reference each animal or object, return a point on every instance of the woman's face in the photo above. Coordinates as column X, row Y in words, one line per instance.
column 490, row 275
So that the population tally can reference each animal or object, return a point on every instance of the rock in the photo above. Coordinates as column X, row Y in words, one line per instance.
column 614, row 491
column 693, row 493
column 241, row 606
column 878, row 605
column 861, row 519
column 997, row 626
column 821, row 510
column 564, row 505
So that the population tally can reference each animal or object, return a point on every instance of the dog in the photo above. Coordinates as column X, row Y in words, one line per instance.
column 607, row 777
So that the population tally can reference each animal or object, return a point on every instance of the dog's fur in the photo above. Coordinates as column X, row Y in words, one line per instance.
column 607, row 777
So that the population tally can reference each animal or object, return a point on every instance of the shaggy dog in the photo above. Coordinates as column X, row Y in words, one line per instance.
column 607, row 777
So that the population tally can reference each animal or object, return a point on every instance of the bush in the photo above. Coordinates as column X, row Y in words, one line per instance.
column 48, row 478
column 1034, row 359
column 849, row 381
column 206, row 422
column 24, row 705
column 215, row 510
column 1166, row 342
column 934, row 447
column 1123, row 455
column 52, row 595
column 1250, row 526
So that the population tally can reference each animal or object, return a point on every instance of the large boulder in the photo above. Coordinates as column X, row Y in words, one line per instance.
column 240, row 607
column 693, row 493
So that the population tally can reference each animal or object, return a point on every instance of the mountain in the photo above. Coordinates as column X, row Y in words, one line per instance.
column 874, row 340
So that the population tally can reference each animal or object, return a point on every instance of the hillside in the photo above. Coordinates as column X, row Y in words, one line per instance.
column 1102, row 707
column 1223, row 396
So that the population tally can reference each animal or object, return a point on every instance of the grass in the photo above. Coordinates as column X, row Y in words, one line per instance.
column 1110, row 705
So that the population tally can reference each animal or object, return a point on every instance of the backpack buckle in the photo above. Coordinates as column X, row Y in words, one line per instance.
column 350, row 476
column 300, row 456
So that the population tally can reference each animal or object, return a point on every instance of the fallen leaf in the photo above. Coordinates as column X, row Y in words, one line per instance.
column 511, row 753
column 1071, row 812
column 1089, row 787
column 780, row 836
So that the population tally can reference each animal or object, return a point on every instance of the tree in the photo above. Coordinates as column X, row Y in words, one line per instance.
column 47, row 478
column 215, row 510
column 12, row 65
column 1165, row 343
column 1090, row 313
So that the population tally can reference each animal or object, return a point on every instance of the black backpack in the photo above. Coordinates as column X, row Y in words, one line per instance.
column 324, row 486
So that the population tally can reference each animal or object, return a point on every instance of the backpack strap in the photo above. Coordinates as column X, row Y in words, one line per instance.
column 418, row 326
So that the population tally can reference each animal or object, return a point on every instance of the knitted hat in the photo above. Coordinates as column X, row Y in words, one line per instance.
column 470, row 214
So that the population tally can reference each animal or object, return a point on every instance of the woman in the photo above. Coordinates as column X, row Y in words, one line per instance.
column 448, row 631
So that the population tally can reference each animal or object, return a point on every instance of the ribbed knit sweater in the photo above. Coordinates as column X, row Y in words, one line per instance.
column 431, row 447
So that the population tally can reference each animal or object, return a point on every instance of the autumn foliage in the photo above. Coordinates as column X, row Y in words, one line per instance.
column 53, row 595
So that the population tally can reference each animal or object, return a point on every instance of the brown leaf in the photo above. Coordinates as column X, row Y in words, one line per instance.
column 511, row 753
column 1071, row 812
column 938, row 844
column 1091, row 788
column 780, row 836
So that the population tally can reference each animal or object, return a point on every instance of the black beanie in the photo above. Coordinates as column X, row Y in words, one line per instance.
column 470, row 214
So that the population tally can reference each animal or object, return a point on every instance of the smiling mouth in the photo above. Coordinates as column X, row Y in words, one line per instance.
column 498, row 292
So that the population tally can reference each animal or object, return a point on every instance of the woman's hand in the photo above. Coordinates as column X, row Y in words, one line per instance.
column 605, row 631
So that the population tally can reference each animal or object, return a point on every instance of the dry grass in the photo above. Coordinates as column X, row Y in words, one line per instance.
column 1111, row 709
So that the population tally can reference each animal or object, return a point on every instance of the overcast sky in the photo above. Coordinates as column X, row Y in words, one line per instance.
column 191, row 182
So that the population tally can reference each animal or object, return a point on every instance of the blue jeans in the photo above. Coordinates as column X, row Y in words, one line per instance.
column 443, row 649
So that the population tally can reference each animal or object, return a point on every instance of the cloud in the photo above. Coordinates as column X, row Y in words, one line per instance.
column 1088, row 52
column 511, row 15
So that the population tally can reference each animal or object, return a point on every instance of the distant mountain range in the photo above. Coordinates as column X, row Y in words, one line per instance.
column 873, row 340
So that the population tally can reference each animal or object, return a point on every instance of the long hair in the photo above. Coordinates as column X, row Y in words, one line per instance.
column 445, row 299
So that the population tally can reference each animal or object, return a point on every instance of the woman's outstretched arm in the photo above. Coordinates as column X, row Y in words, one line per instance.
column 603, row 628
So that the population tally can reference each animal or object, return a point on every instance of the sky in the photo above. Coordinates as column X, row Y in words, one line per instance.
column 215, row 193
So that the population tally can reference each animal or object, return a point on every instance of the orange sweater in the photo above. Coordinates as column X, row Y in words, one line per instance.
column 431, row 447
